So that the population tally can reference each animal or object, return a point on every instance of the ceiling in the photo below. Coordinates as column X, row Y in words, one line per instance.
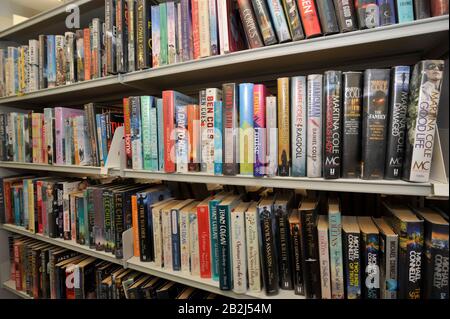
column 38, row 5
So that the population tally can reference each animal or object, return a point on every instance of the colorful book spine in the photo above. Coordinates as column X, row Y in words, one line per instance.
column 33, row 62
column 272, row 135
column 122, row 16
column 425, row 91
column 96, row 48
column 332, row 146
column 370, row 247
column 351, row 126
column 225, row 271
column 396, row 134
column 246, row 135
column 238, row 251
column 51, row 61
column 146, row 104
column 87, row 53
column 259, row 120
column 181, row 139
column 110, row 34
column 193, row 123
column 186, row 31
column 166, row 234
column 374, row 124
column 127, row 132
column 43, row 62
column 336, row 264
column 79, row 55
column 327, row 16
column 60, row 60
column 368, row 13
column 184, row 241
column 387, row 12
column 279, row 20
column 194, row 243
column 195, row 29
column 345, row 12
column 218, row 147
column 212, row 95
column 264, row 21
column 130, row 20
column 314, row 126
column 284, row 146
column 156, row 36
column 157, row 237
column 230, row 131
column 204, row 239
column 175, row 237
column 214, row 228
column 213, row 27
column 171, row 33
column 70, row 61
column 250, row 24
column 164, row 53
column 204, row 28
column 310, row 18
column 136, row 132
column 298, row 125
column 293, row 19
column 153, row 137
column 143, row 33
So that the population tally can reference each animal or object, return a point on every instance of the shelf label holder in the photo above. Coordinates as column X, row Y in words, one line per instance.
column 438, row 175
column 115, row 153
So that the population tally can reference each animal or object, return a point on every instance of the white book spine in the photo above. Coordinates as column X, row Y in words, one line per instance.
column 167, row 239
column 314, row 126
column 272, row 135
column 298, row 125
column 252, row 245
column 221, row 20
column 182, row 139
column 2, row 73
column 205, row 38
column 212, row 95
column 194, row 244
column 238, row 251
column 157, row 237
column 33, row 61
column 184, row 241
column 179, row 36
column 324, row 260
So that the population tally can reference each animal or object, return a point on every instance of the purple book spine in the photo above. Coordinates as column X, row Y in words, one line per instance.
column 387, row 12
column 186, row 30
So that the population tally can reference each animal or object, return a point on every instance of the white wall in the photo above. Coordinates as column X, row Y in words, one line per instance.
column 8, row 8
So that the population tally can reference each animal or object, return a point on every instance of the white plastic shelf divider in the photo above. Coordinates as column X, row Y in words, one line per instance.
column 10, row 285
column 69, row 244
column 201, row 283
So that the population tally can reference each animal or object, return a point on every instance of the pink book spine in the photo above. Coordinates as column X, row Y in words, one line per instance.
column 259, row 122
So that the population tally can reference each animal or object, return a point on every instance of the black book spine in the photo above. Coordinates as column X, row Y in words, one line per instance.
column 332, row 126
column 269, row 258
column 60, row 209
column 144, row 240
column 395, row 149
column 297, row 257
column 265, row 23
column 43, row 62
column 293, row 19
column 368, row 13
column 118, row 221
column 110, row 36
column 44, row 279
column 375, row 106
column 106, row 199
column 53, row 214
column 2, row 203
column 122, row 35
column 346, row 16
column 327, row 16
column 283, row 243
column 371, row 264
column 352, row 265
column 3, row 141
column 143, row 29
column 422, row 9
column 91, row 217
column 412, row 269
column 225, row 275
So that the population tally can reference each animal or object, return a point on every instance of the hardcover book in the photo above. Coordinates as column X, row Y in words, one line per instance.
column 351, row 240
column 346, row 16
column 368, row 13
column 324, row 256
column 422, row 9
column 246, row 134
column 111, row 36
column 250, row 24
column 405, row 11
column 181, row 139
column 298, row 125
column 143, row 34
column 204, row 28
column 387, row 12
column 265, row 23
column 284, row 146
column 310, row 18
column 238, row 249
column 336, row 262
column 272, row 136
column 296, row 250
column 314, row 126
column 259, row 120
column 327, row 16
column 130, row 22
column 122, row 24
column 252, row 245
column 156, row 36
column 370, row 248
column 279, row 20
column 230, row 130
column 293, row 19
column 218, row 147
column 193, row 123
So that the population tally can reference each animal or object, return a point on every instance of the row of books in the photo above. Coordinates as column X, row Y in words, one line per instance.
column 136, row 35
column 45, row 271
column 253, row 240
column 366, row 125
column 60, row 135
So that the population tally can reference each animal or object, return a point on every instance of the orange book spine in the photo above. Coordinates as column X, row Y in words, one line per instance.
column 169, row 127
column 195, row 29
column 193, row 115
column 87, row 54
column 134, row 220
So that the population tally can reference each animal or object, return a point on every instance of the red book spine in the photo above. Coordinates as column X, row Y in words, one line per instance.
column 44, row 154
column 18, row 275
column 439, row 7
column 8, row 208
column 169, row 131
column 310, row 19
column 195, row 29
column 204, row 241
column 87, row 54
column 39, row 207
column 127, row 129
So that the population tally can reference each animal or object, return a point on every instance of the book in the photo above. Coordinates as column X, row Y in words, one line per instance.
column 207, row 104
column 351, row 240
column 387, row 12
column 230, row 132
column 388, row 260
column 351, row 124
column 122, row 25
column 171, row 33
column 130, row 23
column 143, row 35
column 175, row 236
column 396, row 134
column 422, row 9
column 374, row 122
column 250, row 24
column 111, row 36
column 346, row 16
column 405, row 11
column 314, row 126
column 259, row 121
column 324, row 256
column 43, row 62
column 284, row 149
column 271, row 136
column 424, row 94
column 368, row 13
column 293, row 19
column 332, row 145
column 70, row 60
column 204, row 238
column 336, row 260
column 87, row 54
column 33, row 65
column 204, row 28
column 279, row 20
column 296, row 250
column 310, row 18
column 264, row 22
column 194, row 146
column 370, row 257
column 218, row 146
column 327, row 17
column 60, row 58
column 252, row 243
column 238, row 248
column 62, row 118
column 246, row 134
column 181, row 139
column 439, row 7
column 51, row 61
column 186, row 30
column 156, row 36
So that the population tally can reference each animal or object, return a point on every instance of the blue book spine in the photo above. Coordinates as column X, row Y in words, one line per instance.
column 405, row 11
column 214, row 39
column 25, row 203
column 104, row 138
column 246, row 143
column 136, row 133
column 336, row 262
column 279, row 20
column 214, row 239
column 16, row 206
column 218, row 138
column 156, row 35
column 298, row 125
column 153, row 137
column 16, row 70
column 14, row 119
column 146, row 102
column 160, row 117
column 81, row 236
column 51, row 61
column 225, row 274
column 176, row 256
column 387, row 12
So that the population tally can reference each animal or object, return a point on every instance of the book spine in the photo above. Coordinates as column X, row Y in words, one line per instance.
column 169, row 131
column 108, row 214
column 324, row 260
column 284, row 248
column 333, row 126
column 79, row 55
column 264, row 22
column 230, row 129
column 388, row 266
column 121, row 36
column 314, row 126
column 272, row 136
column 345, row 12
column 351, row 126
column 371, row 287
column 163, row 57
column 352, row 265
column 166, row 239
column 171, row 33
column 118, row 224
column 237, row 223
column 184, row 242
column 222, row 21
column 207, row 117
column 368, row 13
column 153, row 138
column 246, row 134
column 298, row 125
column 43, row 62
column 218, row 147
column 194, row 244
column 145, row 121
column 51, row 61
column 127, row 132
column 284, row 146
column 337, row 273
column 214, row 228
column 136, row 133
column 279, row 20
column 439, row 7
column 204, row 238
column 414, row 258
column 87, row 54
column 293, row 19
column 96, row 48
column 194, row 147
column 111, row 36
column 436, row 256
column 161, row 148
column 259, row 120
column 157, row 238
column 310, row 18
column 225, row 269
column 156, row 34
column 249, row 22
column 70, row 53
column 33, row 61
column 375, row 106
column 397, row 122
column 295, row 233
column 186, row 31
column 142, row 36
column 327, row 16
column 421, row 117
column 387, row 12
column 422, row 9
column 175, row 236
column 181, row 144
column 60, row 57
column 195, row 29
column 131, row 23
column 213, row 27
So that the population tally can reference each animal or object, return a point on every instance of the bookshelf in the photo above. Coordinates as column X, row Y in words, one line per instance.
column 400, row 43
column 10, row 286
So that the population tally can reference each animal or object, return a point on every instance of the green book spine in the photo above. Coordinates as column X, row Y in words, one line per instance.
column 153, row 138
column 146, row 135
column 163, row 58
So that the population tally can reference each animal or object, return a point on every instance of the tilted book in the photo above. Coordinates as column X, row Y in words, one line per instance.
column 345, row 12
column 327, row 16
column 264, row 22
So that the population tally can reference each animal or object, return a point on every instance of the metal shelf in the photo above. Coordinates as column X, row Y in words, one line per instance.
column 201, row 283
column 10, row 285
column 69, row 244
column 76, row 169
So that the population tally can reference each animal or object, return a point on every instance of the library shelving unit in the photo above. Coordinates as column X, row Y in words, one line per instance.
column 381, row 47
